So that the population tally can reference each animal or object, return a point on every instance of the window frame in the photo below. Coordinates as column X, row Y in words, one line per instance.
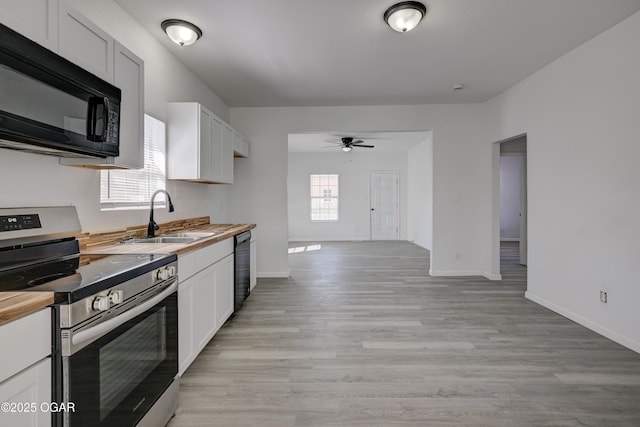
column 147, row 180
column 335, row 197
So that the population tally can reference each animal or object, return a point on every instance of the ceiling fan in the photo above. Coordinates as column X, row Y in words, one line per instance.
column 349, row 143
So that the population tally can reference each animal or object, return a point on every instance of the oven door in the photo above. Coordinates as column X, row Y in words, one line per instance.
column 116, row 378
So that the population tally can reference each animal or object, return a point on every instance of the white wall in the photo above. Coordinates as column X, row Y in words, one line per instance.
column 420, row 194
column 510, row 170
column 37, row 180
column 580, row 114
column 259, row 192
column 354, row 205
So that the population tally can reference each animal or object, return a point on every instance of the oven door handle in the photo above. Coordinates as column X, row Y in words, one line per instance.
column 94, row 332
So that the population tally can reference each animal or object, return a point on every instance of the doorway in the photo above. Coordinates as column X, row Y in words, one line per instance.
column 385, row 207
column 510, row 237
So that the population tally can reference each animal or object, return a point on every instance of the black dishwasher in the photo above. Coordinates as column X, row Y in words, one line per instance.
column 242, row 265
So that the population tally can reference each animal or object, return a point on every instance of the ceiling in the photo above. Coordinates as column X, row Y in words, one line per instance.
column 340, row 52
column 329, row 142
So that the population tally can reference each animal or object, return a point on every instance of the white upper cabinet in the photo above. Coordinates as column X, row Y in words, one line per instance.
column 113, row 62
column 200, row 145
column 240, row 145
column 35, row 19
column 85, row 44
column 227, row 153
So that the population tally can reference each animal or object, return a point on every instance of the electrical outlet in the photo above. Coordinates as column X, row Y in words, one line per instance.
column 603, row 296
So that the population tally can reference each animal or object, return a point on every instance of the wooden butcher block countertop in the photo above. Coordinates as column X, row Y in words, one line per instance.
column 17, row 304
column 225, row 231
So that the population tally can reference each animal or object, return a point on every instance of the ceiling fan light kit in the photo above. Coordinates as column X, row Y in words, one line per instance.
column 348, row 143
column 405, row 16
column 181, row 32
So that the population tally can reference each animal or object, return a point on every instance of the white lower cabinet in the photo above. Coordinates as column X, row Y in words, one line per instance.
column 25, row 372
column 205, row 298
column 26, row 396
column 224, row 291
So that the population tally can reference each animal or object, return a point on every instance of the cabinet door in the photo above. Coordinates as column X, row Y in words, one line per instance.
column 227, row 155
column 35, row 19
column 224, row 290
column 129, row 77
column 84, row 43
column 186, row 347
column 205, row 146
column 204, row 307
column 216, row 159
column 32, row 385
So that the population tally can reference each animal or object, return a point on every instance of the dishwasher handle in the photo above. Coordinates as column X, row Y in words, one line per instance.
column 242, row 237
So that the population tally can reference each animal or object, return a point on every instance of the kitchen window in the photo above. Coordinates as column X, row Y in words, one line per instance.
column 132, row 189
column 324, row 197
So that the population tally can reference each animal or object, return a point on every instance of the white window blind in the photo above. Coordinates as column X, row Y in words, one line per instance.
column 131, row 189
column 324, row 197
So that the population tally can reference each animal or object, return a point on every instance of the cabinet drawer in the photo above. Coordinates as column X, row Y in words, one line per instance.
column 29, row 339
column 193, row 262
column 213, row 253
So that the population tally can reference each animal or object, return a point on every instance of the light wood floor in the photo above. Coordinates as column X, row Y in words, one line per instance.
column 361, row 335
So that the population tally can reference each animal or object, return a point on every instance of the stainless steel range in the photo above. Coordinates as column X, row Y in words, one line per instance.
column 115, row 353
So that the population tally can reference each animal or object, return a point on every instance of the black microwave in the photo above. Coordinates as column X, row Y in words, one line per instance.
column 49, row 105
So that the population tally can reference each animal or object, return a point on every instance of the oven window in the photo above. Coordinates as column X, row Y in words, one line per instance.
column 128, row 359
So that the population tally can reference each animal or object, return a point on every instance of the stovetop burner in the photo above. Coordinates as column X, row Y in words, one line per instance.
column 81, row 276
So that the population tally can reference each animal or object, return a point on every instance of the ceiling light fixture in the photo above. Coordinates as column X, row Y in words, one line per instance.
column 405, row 16
column 347, row 148
column 181, row 32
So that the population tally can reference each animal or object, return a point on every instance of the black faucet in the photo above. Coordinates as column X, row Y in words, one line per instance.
column 151, row 229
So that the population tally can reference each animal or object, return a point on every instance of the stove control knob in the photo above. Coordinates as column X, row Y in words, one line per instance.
column 172, row 271
column 101, row 303
column 162, row 274
column 115, row 297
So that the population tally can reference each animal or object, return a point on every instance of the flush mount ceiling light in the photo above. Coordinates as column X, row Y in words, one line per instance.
column 181, row 32
column 405, row 16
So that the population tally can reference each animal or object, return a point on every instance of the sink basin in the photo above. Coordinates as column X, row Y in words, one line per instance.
column 195, row 234
column 181, row 237
column 165, row 239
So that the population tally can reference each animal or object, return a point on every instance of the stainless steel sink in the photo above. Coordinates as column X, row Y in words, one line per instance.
column 197, row 235
column 164, row 239
column 181, row 237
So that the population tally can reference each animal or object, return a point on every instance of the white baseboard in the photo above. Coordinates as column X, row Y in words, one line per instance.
column 491, row 276
column 330, row 239
column 459, row 273
column 509, row 239
column 272, row 275
column 613, row 336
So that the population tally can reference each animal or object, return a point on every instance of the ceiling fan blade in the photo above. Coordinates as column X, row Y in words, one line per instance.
column 361, row 145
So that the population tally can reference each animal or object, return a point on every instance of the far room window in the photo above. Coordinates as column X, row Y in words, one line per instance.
column 132, row 189
column 324, row 197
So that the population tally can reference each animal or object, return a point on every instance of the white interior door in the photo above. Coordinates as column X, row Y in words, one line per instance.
column 384, row 187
